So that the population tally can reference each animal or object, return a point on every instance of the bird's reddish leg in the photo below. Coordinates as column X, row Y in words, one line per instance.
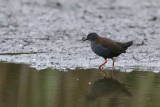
column 101, row 66
column 112, row 66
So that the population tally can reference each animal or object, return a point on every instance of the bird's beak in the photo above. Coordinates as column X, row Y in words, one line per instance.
column 84, row 39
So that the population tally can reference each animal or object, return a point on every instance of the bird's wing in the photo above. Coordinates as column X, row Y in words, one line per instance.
column 111, row 45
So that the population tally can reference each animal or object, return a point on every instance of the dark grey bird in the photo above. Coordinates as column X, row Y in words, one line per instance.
column 106, row 48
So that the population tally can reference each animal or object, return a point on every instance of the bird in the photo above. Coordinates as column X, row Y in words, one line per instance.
column 106, row 48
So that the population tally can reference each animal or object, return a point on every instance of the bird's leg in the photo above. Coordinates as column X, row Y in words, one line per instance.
column 101, row 66
column 112, row 67
column 113, row 64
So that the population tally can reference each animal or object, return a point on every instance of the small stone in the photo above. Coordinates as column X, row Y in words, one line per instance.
column 153, row 18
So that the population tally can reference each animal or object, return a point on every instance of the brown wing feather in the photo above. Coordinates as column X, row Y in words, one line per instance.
column 111, row 45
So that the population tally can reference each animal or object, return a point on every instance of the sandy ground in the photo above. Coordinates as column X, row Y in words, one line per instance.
column 54, row 28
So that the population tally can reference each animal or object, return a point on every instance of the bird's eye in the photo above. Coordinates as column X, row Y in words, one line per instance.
column 89, row 36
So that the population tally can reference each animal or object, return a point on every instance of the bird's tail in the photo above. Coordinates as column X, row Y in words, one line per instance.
column 125, row 45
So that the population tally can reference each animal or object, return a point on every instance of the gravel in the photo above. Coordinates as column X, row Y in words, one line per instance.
column 54, row 29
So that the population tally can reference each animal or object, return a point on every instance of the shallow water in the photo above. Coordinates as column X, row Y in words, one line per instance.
column 21, row 86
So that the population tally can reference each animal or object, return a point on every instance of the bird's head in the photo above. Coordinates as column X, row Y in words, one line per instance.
column 91, row 37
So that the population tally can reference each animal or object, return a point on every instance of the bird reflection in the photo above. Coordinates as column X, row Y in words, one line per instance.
column 106, row 87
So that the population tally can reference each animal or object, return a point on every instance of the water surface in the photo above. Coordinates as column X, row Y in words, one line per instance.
column 21, row 86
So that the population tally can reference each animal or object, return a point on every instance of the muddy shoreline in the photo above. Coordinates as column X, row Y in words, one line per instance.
column 53, row 30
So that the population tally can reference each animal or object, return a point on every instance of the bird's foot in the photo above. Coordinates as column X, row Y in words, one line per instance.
column 105, row 74
column 112, row 76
